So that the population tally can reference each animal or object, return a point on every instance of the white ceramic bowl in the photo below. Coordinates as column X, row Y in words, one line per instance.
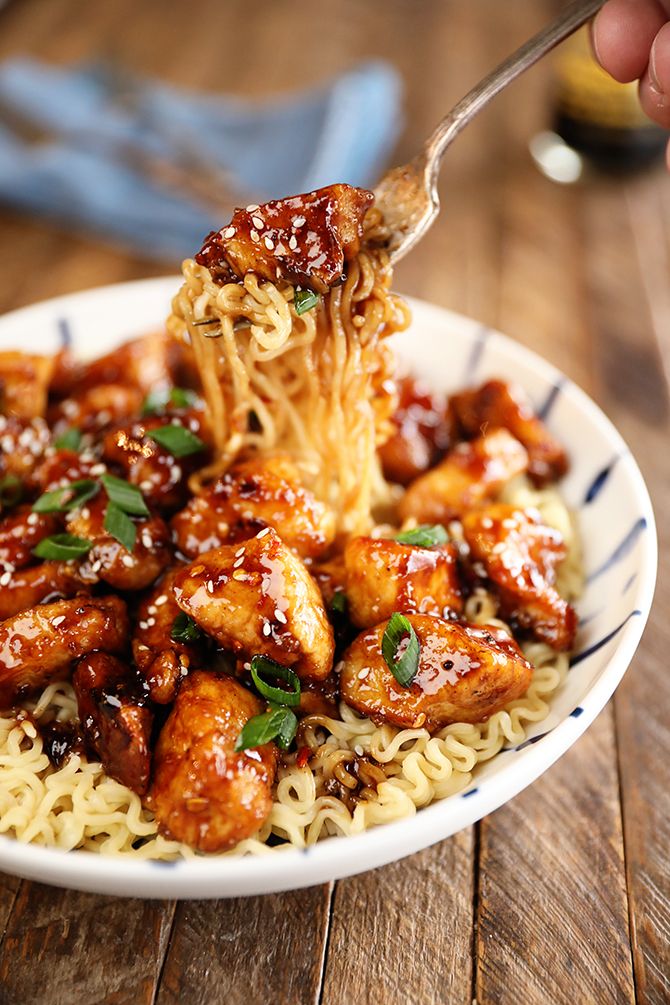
column 604, row 487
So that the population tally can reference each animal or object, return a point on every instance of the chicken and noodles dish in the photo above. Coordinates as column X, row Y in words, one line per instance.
column 257, row 586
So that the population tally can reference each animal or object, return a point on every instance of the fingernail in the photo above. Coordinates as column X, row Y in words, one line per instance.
column 654, row 81
column 594, row 39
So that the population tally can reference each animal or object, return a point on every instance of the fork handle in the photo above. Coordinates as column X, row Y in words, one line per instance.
column 573, row 17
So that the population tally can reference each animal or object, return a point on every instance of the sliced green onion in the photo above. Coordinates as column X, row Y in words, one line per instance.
column 277, row 723
column 263, row 666
column 399, row 632
column 184, row 629
column 177, row 440
column 69, row 440
column 63, row 547
column 124, row 495
column 11, row 491
column 68, row 497
column 339, row 604
column 425, row 536
column 120, row 526
column 158, row 400
column 304, row 300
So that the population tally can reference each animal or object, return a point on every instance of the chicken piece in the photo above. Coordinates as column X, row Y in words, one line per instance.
column 161, row 661
column 386, row 576
column 95, row 408
column 466, row 673
column 160, row 475
column 471, row 474
column 22, row 446
column 25, row 588
column 117, row 726
column 505, row 406
column 39, row 645
column 20, row 532
column 265, row 492
column 61, row 466
column 305, row 239
column 203, row 792
column 520, row 555
column 422, row 433
column 24, row 384
column 144, row 363
column 108, row 560
column 259, row 598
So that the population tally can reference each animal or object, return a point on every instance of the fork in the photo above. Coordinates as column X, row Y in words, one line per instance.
column 407, row 195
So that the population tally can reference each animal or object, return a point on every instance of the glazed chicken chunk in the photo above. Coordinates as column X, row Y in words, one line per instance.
column 471, row 474
column 117, row 728
column 305, row 239
column 204, row 792
column 27, row 587
column 20, row 532
column 258, row 598
column 386, row 576
column 520, row 555
column 41, row 644
column 24, row 384
column 161, row 661
column 256, row 494
column 499, row 404
column 421, row 432
column 465, row 674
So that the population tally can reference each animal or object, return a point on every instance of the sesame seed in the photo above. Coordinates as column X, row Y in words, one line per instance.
column 257, row 222
column 159, row 601
column 85, row 513
column 144, row 486
column 238, row 562
column 269, row 243
column 97, row 565
column 229, row 232
column 143, row 648
column 239, row 552
column 267, row 628
column 98, row 469
column 299, row 221
column 255, row 236
column 280, row 616
column 240, row 575
column 293, row 243
column 210, row 586
column 151, row 609
column 32, row 519
column 5, row 578
column 252, row 208
column 151, row 622
column 128, row 561
column 362, row 674
column 147, row 539
column 262, row 533
column 143, row 625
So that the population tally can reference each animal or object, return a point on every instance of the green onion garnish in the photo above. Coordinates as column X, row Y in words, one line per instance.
column 11, row 491
column 425, row 536
column 63, row 547
column 304, row 300
column 399, row 632
column 177, row 440
column 127, row 497
column 69, row 440
column 67, row 498
column 262, row 666
column 278, row 723
column 184, row 629
column 120, row 526
column 158, row 400
column 339, row 603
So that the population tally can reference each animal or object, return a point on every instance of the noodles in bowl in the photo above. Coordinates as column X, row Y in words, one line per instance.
column 307, row 470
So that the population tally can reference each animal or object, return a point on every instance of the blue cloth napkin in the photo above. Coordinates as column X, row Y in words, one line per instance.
column 117, row 145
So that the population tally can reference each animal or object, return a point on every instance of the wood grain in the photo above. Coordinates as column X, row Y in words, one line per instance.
column 543, row 901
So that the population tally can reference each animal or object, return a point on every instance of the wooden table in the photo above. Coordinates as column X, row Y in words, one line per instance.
column 563, row 895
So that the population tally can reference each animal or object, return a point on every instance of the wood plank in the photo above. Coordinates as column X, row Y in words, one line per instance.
column 62, row 946
column 627, row 285
column 248, row 951
column 553, row 923
column 404, row 933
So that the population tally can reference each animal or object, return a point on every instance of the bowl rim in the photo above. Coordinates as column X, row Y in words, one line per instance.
column 339, row 856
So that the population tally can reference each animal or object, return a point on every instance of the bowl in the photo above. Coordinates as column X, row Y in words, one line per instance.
column 605, row 489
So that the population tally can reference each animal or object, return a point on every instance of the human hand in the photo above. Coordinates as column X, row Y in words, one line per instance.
column 631, row 40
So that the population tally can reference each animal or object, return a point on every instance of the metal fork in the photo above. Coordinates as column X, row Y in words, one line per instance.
column 407, row 195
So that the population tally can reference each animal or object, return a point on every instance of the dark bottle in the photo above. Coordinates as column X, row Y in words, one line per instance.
column 598, row 117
